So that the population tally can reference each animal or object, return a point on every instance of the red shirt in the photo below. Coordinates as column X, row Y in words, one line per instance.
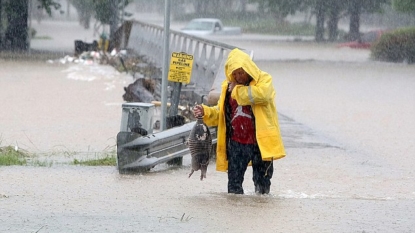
column 242, row 122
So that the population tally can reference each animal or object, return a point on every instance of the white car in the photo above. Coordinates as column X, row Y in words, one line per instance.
column 209, row 26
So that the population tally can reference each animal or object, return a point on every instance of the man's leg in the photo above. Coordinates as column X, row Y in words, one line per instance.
column 237, row 163
column 262, row 172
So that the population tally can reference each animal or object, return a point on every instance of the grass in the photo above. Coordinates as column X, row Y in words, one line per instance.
column 13, row 156
column 105, row 158
column 107, row 161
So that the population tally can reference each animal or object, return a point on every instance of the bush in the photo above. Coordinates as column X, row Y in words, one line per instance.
column 395, row 46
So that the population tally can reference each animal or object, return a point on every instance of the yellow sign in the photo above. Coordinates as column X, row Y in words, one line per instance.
column 180, row 67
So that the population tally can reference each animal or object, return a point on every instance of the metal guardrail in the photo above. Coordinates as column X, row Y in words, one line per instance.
column 140, row 153
column 147, row 40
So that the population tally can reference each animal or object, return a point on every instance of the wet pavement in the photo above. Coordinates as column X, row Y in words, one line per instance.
column 347, row 123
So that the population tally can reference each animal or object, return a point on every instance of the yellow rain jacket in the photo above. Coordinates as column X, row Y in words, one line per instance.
column 260, row 95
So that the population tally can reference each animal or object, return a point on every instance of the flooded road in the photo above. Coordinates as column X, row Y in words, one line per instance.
column 347, row 123
column 89, row 199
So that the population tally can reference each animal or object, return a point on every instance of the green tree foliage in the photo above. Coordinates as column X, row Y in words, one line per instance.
column 48, row 5
column 85, row 9
column 105, row 11
column 406, row 6
column 110, row 12
column 280, row 9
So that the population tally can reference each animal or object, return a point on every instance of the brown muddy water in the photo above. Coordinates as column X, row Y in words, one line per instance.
column 347, row 125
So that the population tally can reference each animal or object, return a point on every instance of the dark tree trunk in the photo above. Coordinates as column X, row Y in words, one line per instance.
column 201, row 6
column 243, row 6
column 1, row 26
column 333, row 22
column 319, row 21
column 16, row 38
column 197, row 5
column 354, row 26
column 214, row 6
column 84, row 18
column 113, row 23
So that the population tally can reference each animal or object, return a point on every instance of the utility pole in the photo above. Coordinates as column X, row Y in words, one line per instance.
column 165, row 71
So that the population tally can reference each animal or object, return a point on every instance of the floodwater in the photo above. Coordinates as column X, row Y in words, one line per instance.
column 347, row 123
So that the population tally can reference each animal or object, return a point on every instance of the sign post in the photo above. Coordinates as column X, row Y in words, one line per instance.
column 180, row 72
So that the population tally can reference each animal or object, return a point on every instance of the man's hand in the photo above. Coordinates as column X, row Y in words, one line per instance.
column 231, row 86
column 198, row 111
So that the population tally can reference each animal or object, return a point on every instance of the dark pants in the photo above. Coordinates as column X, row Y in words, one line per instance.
column 239, row 156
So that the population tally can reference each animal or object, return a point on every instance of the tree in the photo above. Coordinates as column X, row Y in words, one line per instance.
column 85, row 9
column 16, row 33
column 16, row 30
column 48, row 5
column 1, row 25
column 215, row 7
column 406, row 6
column 335, row 10
column 110, row 12
column 280, row 9
column 355, row 8
column 320, row 8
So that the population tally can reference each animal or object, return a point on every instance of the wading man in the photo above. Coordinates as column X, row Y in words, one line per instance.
column 247, row 121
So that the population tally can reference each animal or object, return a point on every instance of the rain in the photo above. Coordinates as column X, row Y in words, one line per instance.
column 72, row 91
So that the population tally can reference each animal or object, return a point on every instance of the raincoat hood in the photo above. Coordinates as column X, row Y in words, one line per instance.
column 239, row 59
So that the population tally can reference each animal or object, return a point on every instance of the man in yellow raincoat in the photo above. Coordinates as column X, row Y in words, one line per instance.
column 247, row 124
